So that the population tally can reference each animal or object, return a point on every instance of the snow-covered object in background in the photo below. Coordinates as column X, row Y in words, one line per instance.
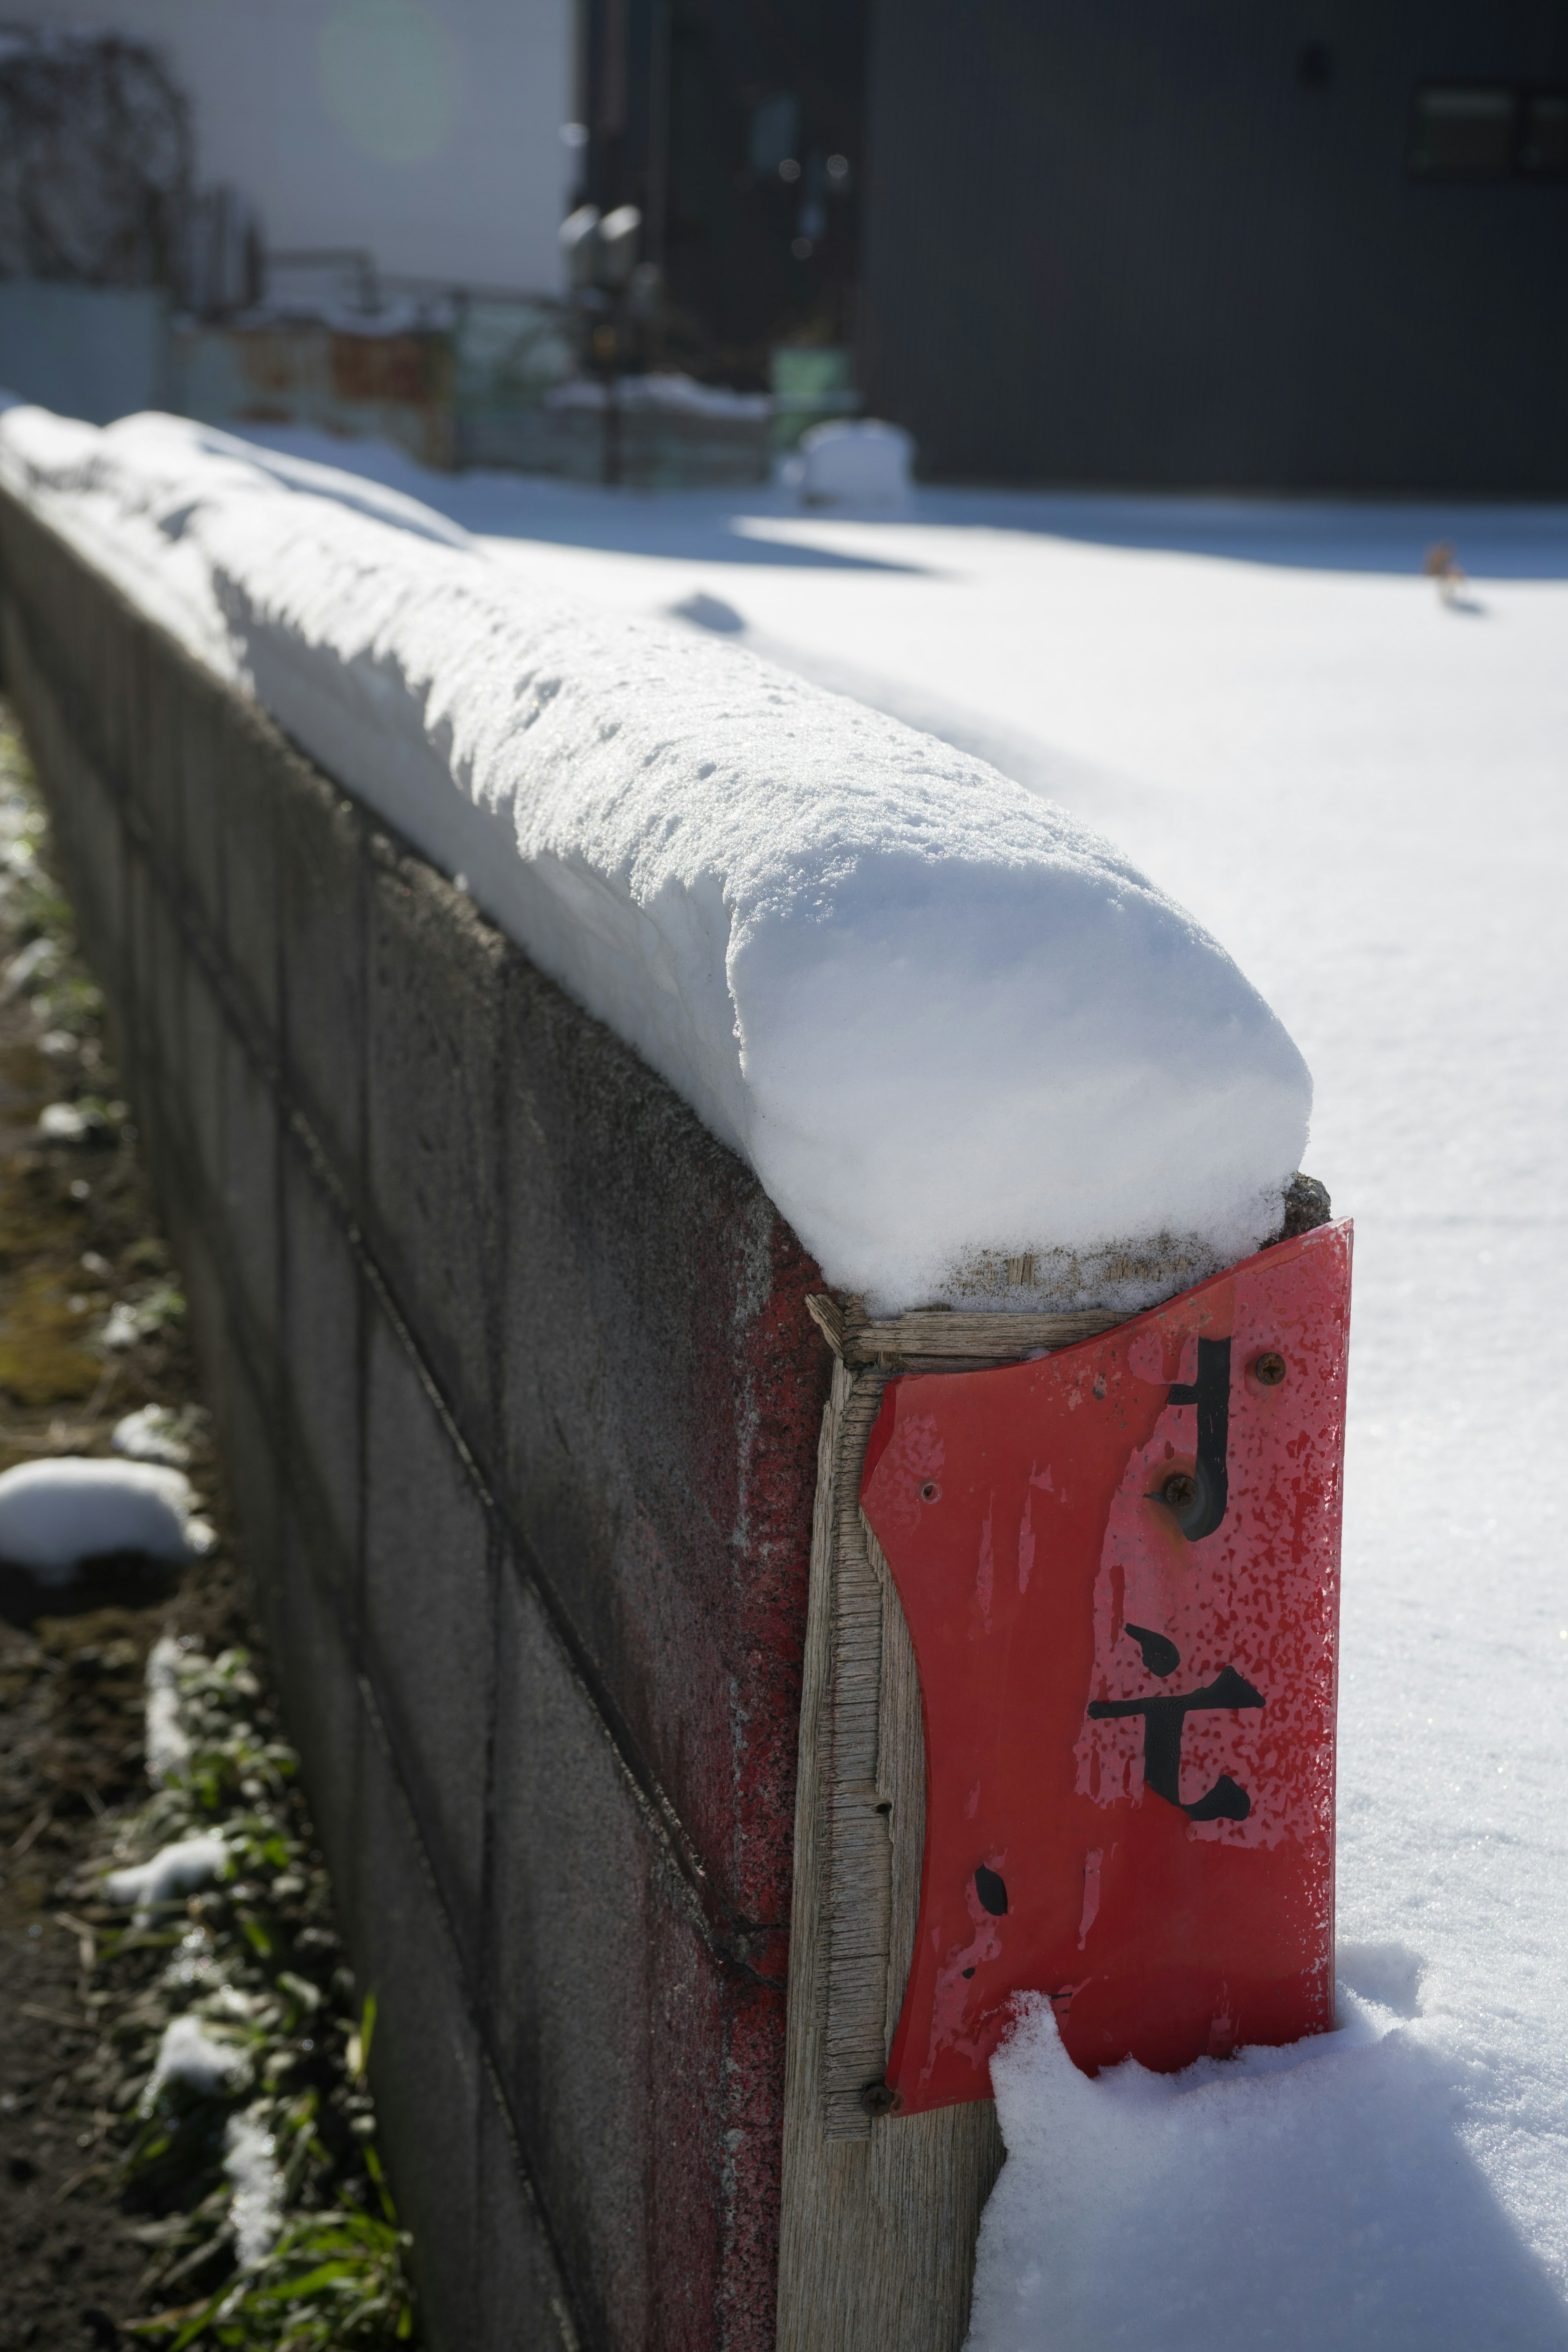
column 188, row 2053
column 1319, row 2194
column 153, row 1433
column 675, row 394
column 173, row 1870
column 165, row 1740
column 56, row 1513
column 256, row 2212
column 854, row 461
column 950, row 1028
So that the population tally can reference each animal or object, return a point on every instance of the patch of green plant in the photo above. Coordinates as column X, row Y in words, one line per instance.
column 335, row 2279
column 253, row 1966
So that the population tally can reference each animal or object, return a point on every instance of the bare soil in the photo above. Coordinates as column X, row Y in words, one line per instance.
column 78, row 1233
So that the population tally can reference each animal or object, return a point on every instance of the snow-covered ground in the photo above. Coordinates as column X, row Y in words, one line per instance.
column 1363, row 793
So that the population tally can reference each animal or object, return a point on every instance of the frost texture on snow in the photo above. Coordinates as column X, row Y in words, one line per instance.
column 255, row 2211
column 1221, row 2206
column 947, row 1025
column 56, row 1513
column 173, row 1870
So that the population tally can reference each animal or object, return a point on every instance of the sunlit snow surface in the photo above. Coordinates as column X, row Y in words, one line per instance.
column 969, row 1051
column 1365, row 794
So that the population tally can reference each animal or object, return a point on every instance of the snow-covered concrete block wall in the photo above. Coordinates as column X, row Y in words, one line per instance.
column 520, row 1406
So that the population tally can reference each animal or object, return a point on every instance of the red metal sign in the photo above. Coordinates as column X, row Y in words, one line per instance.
column 1119, row 1566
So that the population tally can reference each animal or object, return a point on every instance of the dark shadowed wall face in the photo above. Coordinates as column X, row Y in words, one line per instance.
column 738, row 127
column 1199, row 242
column 519, row 1400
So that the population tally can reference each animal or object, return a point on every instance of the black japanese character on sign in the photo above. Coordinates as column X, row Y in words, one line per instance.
column 1211, row 1394
column 1164, row 1720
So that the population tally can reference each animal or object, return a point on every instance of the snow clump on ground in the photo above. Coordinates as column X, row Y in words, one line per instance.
column 155, row 1433
column 188, row 2053
column 174, row 1870
column 56, row 1513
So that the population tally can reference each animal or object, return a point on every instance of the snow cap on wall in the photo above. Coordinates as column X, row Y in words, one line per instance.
column 971, row 1053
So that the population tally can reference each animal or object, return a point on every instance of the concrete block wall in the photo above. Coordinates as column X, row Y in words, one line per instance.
column 519, row 1401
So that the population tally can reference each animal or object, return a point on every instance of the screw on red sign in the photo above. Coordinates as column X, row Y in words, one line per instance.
column 1119, row 1567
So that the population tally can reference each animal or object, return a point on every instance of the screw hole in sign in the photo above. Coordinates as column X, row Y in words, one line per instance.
column 992, row 1890
column 931, row 1491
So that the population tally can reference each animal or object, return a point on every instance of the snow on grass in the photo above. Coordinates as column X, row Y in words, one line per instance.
column 948, row 1026
column 188, row 2055
column 246, row 2037
column 56, row 1513
column 255, row 2211
column 167, row 1746
column 174, row 1870
column 154, row 1433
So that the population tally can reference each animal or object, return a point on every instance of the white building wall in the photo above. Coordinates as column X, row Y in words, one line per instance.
column 426, row 130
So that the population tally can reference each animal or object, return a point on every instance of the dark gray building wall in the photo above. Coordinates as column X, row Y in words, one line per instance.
column 519, row 1402
column 1127, row 242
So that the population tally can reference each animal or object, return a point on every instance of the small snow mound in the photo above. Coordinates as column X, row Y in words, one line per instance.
column 174, row 1870
column 1313, row 2195
column 53, row 1515
column 189, row 2055
column 153, row 1434
column 62, row 1122
column 256, row 2210
column 120, row 1329
column 854, row 462
column 168, row 1749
